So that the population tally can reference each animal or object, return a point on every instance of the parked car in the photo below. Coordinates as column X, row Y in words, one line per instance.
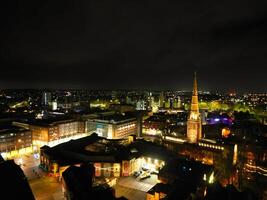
column 154, row 172
column 144, row 175
column 145, row 169
column 137, row 173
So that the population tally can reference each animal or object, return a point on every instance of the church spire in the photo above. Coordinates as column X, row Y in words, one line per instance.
column 195, row 84
column 194, row 132
column 194, row 102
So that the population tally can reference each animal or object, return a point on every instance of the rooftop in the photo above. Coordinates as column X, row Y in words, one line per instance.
column 10, row 129
column 51, row 121
column 185, row 170
column 98, row 149
column 115, row 118
column 160, row 187
column 89, row 149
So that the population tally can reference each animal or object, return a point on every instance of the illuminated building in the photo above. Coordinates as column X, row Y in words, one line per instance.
column 179, row 102
column 46, row 99
column 140, row 105
column 155, row 107
column 194, row 132
column 65, row 106
column 14, row 140
column 113, row 126
column 160, row 123
column 54, row 105
column 161, row 100
column 153, row 127
column 226, row 132
column 150, row 101
column 159, row 191
column 111, row 158
column 47, row 131
column 206, row 150
column 180, row 178
column 168, row 103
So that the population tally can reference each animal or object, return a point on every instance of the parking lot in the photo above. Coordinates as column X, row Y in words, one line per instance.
column 135, row 188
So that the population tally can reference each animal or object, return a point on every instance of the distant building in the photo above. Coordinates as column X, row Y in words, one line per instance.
column 46, row 99
column 64, row 105
column 168, row 103
column 150, row 101
column 140, row 105
column 179, row 102
column 161, row 100
column 194, row 126
column 54, row 105
column 122, row 108
column 113, row 126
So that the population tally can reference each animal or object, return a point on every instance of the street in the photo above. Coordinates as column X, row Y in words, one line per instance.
column 46, row 188
column 43, row 186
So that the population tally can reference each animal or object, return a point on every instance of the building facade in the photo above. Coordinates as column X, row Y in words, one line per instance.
column 111, row 158
column 45, row 133
column 112, row 128
column 14, row 140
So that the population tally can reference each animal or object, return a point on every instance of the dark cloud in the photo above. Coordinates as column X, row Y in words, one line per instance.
column 132, row 44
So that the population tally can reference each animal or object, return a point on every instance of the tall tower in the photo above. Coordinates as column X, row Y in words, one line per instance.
column 194, row 132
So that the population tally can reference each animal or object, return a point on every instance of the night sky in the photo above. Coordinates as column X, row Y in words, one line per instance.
column 110, row 44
